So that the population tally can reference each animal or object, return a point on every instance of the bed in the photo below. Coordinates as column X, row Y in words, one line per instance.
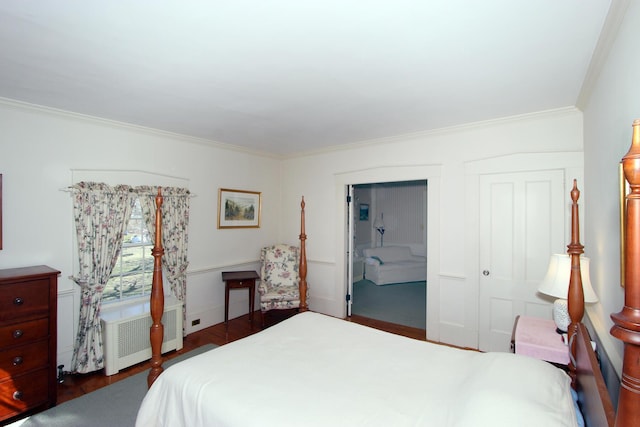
column 286, row 376
column 316, row 370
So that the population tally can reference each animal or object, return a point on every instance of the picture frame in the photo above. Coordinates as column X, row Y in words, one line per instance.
column 624, row 191
column 239, row 208
column 364, row 212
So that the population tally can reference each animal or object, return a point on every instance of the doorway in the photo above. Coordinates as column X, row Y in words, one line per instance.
column 388, row 214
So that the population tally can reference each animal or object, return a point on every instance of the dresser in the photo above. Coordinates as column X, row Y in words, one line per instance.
column 28, row 328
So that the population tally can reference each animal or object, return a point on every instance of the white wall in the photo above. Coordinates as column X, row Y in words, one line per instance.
column 41, row 151
column 403, row 205
column 613, row 105
column 439, row 157
column 404, row 208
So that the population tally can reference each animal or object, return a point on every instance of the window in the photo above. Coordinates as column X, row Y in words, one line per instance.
column 132, row 275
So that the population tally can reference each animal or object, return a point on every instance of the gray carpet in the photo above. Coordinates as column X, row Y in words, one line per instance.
column 400, row 303
column 114, row 405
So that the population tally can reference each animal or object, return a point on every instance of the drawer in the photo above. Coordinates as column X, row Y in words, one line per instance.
column 19, row 360
column 23, row 333
column 23, row 392
column 24, row 300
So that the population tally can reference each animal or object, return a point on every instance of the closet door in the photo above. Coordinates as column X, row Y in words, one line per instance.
column 521, row 225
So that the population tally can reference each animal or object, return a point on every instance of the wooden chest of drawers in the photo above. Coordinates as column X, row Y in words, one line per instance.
column 28, row 328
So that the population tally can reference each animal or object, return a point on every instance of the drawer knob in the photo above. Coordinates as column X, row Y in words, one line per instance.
column 18, row 301
column 17, row 360
column 17, row 395
column 17, row 333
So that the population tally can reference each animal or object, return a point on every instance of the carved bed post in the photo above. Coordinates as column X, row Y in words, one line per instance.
column 627, row 322
column 156, row 332
column 576, row 294
column 303, row 262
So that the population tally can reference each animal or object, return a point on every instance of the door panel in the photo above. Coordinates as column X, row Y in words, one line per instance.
column 521, row 225
column 350, row 247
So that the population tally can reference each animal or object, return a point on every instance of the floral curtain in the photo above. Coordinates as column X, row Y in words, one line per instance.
column 101, row 215
column 175, row 236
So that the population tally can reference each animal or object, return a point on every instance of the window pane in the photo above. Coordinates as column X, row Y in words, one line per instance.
column 134, row 264
column 133, row 272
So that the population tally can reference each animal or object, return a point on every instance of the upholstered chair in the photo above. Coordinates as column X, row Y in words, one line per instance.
column 279, row 278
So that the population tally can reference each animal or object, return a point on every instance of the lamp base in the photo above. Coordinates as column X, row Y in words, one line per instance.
column 561, row 315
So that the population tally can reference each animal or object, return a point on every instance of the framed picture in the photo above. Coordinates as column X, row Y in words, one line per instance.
column 364, row 212
column 238, row 208
column 624, row 190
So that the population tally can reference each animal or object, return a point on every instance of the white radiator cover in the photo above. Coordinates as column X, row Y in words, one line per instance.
column 125, row 333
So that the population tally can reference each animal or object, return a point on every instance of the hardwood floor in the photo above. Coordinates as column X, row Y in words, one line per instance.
column 407, row 331
column 75, row 385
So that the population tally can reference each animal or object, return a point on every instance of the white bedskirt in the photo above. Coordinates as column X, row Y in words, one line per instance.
column 315, row 370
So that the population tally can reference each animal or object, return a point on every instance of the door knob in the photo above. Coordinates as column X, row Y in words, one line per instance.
column 485, row 272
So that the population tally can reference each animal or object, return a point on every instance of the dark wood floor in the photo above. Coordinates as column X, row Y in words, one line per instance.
column 78, row 384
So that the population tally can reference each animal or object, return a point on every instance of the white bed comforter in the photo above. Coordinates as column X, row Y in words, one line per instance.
column 315, row 370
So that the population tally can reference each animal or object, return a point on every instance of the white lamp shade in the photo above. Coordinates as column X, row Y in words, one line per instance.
column 556, row 281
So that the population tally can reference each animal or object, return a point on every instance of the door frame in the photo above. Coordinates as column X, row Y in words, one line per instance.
column 350, row 233
column 352, row 221
column 430, row 173
column 572, row 163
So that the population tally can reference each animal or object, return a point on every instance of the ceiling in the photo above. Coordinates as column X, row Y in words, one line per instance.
column 293, row 76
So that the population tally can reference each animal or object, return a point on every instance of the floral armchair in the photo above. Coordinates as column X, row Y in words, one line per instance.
column 279, row 278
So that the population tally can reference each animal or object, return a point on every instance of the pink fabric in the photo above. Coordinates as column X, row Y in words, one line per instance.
column 538, row 338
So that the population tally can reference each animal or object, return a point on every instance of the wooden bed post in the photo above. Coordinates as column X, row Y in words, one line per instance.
column 303, row 262
column 156, row 332
column 584, row 369
column 576, row 294
column 627, row 322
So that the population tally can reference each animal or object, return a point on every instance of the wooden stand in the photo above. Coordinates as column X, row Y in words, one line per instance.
column 239, row 280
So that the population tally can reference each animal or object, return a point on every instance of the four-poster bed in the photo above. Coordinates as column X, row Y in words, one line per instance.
column 360, row 376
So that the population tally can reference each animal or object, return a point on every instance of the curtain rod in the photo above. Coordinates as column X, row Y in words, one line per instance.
column 150, row 193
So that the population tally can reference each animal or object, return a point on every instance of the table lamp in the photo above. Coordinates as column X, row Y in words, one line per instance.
column 556, row 284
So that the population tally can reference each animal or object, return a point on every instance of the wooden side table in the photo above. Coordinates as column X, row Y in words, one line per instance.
column 239, row 280
column 538, row 338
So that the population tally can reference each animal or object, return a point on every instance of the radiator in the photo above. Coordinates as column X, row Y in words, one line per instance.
column 125, row 333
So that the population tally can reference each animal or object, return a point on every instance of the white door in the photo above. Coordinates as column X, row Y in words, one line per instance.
column 521, row 225
column 350, row 247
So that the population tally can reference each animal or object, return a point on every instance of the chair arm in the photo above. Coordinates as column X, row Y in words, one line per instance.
column 372, row 261
column 262, row 287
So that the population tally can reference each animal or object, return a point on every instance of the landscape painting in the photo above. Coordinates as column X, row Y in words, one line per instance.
column 238, row 208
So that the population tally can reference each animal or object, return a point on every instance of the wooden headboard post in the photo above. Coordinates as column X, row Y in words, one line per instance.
column 576, row 294
column 627, row 322
column 303, row 262
column 156, row 333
